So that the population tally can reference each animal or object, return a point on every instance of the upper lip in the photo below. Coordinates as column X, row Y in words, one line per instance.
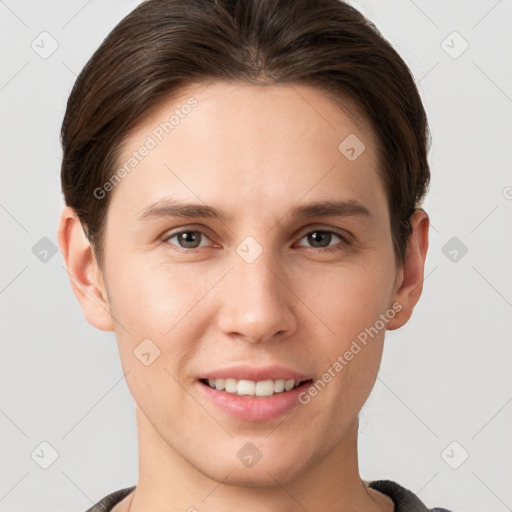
column 255, row 373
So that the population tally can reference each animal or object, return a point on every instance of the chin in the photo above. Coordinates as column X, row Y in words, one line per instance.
column 274, row 466
column 268, row 475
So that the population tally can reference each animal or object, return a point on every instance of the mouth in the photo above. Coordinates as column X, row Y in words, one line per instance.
column 255, row 389
column 252, row 393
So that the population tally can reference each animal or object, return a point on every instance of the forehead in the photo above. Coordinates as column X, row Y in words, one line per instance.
column 209, row 140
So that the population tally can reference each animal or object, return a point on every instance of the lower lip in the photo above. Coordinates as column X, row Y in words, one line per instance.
column 252, row 408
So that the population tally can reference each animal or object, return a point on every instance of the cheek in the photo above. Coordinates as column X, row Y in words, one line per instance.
column 156, row 296
column 157, row 303
column 349, row 338
column 346, row 299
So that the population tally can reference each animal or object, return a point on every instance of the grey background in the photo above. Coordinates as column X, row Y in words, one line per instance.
column 445, row 376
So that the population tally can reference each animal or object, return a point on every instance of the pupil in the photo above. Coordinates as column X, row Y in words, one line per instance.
column 187, row 238
column 314, row 236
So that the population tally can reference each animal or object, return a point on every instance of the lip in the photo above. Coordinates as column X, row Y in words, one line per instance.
column 252, row 408
column 256, row 374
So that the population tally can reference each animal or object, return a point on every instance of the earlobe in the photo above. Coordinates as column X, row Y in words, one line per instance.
column 83, row 272
column 410, row 285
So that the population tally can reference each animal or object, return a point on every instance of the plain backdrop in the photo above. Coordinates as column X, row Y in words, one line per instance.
column 439, row 418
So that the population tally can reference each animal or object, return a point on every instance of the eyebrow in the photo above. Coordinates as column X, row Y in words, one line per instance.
column 167, row 208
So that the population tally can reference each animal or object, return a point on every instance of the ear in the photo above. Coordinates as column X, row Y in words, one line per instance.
column 84, row 275
column 409, row 280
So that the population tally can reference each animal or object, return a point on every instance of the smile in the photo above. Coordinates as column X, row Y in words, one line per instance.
column 261, row 388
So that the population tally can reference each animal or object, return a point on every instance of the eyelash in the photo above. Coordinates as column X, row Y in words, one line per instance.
column 345, row 242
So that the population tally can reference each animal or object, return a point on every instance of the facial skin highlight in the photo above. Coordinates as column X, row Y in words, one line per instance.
column 254, row 153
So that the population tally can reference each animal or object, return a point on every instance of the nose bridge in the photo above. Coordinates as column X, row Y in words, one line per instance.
column 255, row 304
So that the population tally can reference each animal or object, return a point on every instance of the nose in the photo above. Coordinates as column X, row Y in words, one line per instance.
column 257, row 304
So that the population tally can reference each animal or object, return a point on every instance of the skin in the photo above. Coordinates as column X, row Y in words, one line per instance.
column 253, row 152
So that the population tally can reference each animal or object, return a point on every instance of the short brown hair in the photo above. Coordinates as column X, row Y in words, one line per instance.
column 163, row 45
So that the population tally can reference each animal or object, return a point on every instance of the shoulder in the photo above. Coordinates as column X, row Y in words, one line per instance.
column 405, row 500
column 108, row 502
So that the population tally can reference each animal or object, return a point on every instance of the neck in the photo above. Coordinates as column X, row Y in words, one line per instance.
column 168, row 482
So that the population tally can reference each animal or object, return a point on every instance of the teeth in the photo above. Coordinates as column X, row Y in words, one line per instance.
column 289, row 384
column 251, row 388
column 245, row 387
column 230, row 385
column 279, row 386
column 264, row 388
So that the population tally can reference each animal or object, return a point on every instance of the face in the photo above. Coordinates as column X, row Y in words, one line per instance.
column 262, row 289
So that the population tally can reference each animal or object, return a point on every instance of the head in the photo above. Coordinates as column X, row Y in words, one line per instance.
column 252, row 111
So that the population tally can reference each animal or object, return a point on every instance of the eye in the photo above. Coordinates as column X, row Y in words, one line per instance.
column 188, row 239
column 323, row 237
